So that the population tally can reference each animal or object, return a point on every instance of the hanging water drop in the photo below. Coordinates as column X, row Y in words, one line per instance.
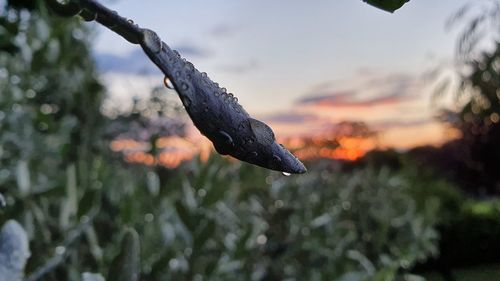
column 130, row 21
column 286, row 174
column 190, row 66
column 224, row 90
column 168, row 83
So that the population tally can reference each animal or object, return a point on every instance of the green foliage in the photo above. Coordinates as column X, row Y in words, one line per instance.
column 482, row 84
column 221, row 221
column 472, row 236
column 203, row 221
column 125, row 266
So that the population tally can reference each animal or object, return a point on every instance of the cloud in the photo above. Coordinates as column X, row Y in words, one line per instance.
column 136, row 62
column 349, row 99
column 223, row 31
column 374, row 91
column 240, row 68
column 393, row 123
column 192, row 51
column 291, row 118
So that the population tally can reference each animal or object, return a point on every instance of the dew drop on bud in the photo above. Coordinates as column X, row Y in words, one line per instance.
column 168, row 83
column 276, row 158
column 130, row 21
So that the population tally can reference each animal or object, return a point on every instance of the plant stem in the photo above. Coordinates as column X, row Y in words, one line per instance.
column 122, row 26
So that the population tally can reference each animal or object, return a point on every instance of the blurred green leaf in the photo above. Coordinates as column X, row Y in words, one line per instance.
column 126, row 266
column 185, row 216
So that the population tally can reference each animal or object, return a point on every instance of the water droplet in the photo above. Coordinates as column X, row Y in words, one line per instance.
column 235, row 99
column 130, row 21
column 168, row 83
column 190, row 66
column 276, row 158
column 216, row 93
column 286, row 174
column 204, row 74
column 224, row 90
column 231, row 95
column 186, row 101
column 152, row 41
column 254, row 153
column 229, row 139
column 185, row 86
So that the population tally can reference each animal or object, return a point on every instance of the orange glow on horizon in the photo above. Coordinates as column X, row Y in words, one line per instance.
column 344, row 148
column 176, row 150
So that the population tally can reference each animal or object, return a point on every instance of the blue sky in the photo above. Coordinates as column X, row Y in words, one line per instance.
column 274, row 54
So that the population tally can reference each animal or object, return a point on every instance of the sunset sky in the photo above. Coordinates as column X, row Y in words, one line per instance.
column 302, row 66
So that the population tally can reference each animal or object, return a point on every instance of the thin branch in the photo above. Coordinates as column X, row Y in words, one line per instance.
column 214, row 112
column 122, row 26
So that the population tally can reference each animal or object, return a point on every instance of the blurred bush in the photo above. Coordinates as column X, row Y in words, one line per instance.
column 472, row 236
column 217, row 220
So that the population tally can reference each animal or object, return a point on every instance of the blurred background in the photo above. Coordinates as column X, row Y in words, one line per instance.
column 396, row 117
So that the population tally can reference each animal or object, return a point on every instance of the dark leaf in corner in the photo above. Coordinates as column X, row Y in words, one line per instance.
column 387, row 5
